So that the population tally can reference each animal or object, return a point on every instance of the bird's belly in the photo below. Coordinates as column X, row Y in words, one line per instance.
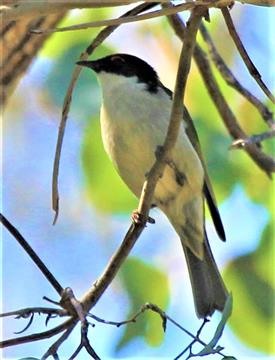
column 132, row 145
column 130, row 150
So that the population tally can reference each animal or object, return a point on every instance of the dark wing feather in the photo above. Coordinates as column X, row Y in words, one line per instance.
column 208, row 190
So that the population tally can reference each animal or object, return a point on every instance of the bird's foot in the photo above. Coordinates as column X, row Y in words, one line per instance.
column 138, row 218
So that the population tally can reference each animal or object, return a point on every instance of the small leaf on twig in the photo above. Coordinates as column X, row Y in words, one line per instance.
column 210, row 347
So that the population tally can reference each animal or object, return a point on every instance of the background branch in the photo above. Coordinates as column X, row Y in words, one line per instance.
column 103, row 34
column 14, row 9
column 264, row 161
column 38, row 262
column 242, row 51
column 231, row 80
column 254, row 139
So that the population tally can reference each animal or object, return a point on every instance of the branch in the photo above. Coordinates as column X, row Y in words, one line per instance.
column 68, row 98
column 231, row 80
column 39, row 336
column 15, row 9
column 130, row 19
column 254, row 139
column 26, row 312
column 93, row 295
column 35, row 258
column 244, row 55
column 265, row 162
column 52, row 351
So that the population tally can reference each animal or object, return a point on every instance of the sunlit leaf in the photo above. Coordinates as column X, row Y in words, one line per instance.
column 251, row 279
column 208, row 349
column 144, row 283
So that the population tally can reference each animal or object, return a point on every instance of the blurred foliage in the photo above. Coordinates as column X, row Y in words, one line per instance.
column 251, row 278
column 59, row 43
column 144, row 283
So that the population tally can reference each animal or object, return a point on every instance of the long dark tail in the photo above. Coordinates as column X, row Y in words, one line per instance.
column 209, row 290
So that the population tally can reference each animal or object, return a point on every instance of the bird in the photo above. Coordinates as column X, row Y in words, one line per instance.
column 134, row 119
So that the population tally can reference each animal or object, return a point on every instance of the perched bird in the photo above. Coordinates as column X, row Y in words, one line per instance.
column 134, row 118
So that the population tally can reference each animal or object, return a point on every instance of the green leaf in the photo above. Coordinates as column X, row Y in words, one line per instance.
column 104, row 188
column 144, row 283
column 251, row 279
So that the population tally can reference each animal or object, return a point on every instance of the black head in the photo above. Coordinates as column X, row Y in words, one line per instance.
column 126, row 65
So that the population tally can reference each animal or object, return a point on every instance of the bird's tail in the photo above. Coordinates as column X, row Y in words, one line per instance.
column 208, row 288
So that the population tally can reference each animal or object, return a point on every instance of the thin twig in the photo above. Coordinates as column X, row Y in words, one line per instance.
column 231, row 80
column 85, row 341
column 131, row 18
column 264, row 161
column 32, row 254
column 39, row 336
column 244, row 55
column 76, row 352
column 68, row 97
column 176, row 112
column 254, row 139
column 26, row 312
column 52, row 351
column 189, row 347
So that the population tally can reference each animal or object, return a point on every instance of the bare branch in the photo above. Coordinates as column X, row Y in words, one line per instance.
column 32, row 254
column 242, row 51
column 92, row 296
column 39, row 336
column 52, row 351
column 231, row 80
column 26, row 312
column 15, row 9
column 130, row 19
column 68, row 97
column 176, row 113
column 264, row 161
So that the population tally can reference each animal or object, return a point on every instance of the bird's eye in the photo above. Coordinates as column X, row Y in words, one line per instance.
column 117, row 59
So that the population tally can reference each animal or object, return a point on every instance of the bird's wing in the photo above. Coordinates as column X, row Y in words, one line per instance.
column 208, row 190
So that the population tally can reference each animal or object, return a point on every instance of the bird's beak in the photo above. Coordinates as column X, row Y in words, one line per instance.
column 94, row 65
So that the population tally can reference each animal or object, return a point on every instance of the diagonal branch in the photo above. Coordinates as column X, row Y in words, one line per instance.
column 134, row 18
column 39, row 336
column 68, row 98
column 52, row 351
column 93, row 295
column 242, row 51
column 231, row 80
column 264, row 161
column 39, row 263
column 254, row 139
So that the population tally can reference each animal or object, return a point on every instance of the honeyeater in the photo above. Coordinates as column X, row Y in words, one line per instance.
column 134, row 118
